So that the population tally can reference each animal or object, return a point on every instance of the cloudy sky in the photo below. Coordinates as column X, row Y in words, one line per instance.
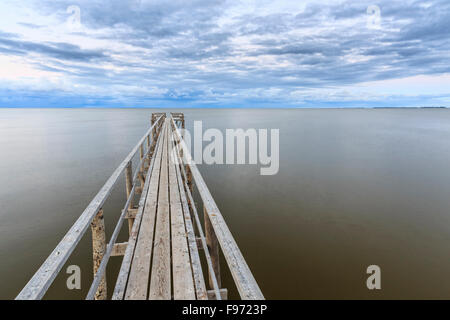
column 208, row 53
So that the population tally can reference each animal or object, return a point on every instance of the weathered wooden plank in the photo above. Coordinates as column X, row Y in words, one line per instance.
column 160, row 282
column 223, row 294
column 183, row 282
column 213, row 248
column 200, row 287
column 119, row 249
column 43, row 278
column 142, row 165
column 119, row 290
column 131, row 213
column 243, row 278
column 112, row 242
column 137, row 286
column 129, row 186
column 112, row 245
column 198, row 224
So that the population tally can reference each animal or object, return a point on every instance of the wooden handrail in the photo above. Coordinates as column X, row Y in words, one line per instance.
column 102, row 268
column 245, row 282
column 119, row 290
column 44, row 277
column 183, row 177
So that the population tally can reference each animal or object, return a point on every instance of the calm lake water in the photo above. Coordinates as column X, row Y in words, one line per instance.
column 355, row 188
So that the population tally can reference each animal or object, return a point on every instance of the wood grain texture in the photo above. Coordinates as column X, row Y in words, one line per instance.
column 202, row 238
column 199, row 281
column 183, row 282
column 245, row 282
column 120, row 287
column 137, row 286
column 213, row 248
column 98, row 251
column 119, row 249
column 129, row 186
column 160, row 282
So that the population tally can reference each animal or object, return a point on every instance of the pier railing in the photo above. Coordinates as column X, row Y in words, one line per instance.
column 93, row 216
column 217, row 234
column 213, row 237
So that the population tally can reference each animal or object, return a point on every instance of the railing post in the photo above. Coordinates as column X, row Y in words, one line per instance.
column 182, row 135
column 148, row 159
column 129, row 186
column 154, row 128
column 141, row 169
column 213, row 248
column 98, row 250
column 186, row 167
column 189, row 178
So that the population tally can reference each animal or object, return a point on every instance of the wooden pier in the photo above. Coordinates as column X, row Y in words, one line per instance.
column 168, row 254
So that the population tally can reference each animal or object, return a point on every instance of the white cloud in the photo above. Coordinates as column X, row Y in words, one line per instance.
column 226, row 52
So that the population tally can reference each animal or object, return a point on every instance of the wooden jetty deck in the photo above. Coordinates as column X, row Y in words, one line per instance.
column 167, row 245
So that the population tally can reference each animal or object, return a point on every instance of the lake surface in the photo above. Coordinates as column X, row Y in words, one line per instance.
column 355, row 187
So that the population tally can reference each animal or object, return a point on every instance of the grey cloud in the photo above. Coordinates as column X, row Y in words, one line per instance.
column 7, row 34
column 30, row 25
column 156, row 18
column 11, row 51
column 63, row 51
column 182, row 47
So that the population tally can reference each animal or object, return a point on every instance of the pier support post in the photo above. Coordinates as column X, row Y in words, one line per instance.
column 182, row 122
column 148, row 158
column 129, row 186
column 186, row 167
column 189, row 178
column 154, row 128
column 98, row 250
column 182, row 137
column 141, row 169
column 213, row 248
